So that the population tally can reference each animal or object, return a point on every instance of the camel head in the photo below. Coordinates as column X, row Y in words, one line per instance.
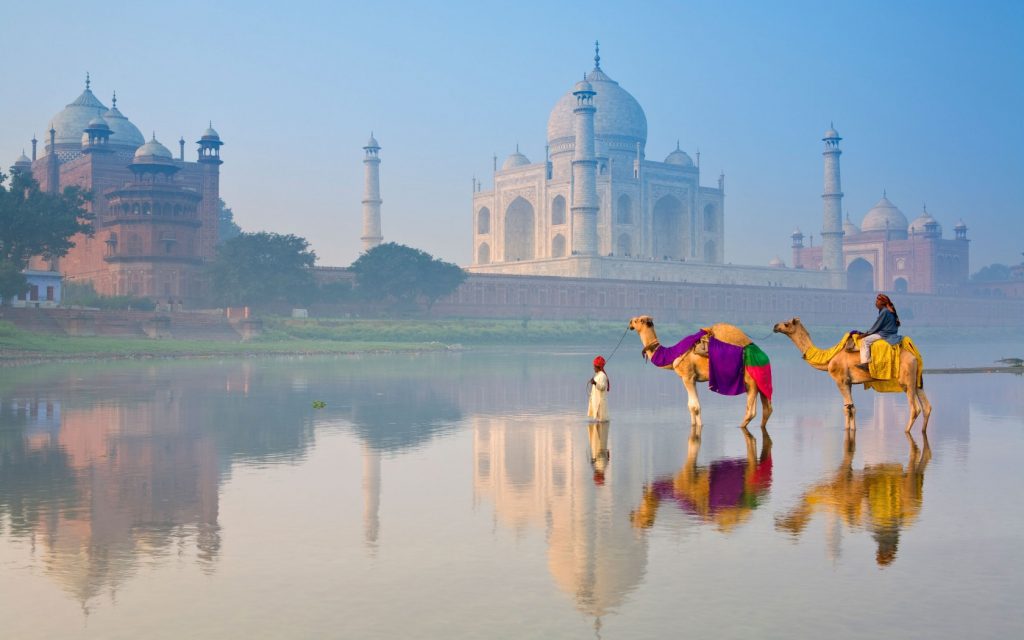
column 641, row 322
column 788, row 327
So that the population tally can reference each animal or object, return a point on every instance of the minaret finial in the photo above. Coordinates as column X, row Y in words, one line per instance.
column 114, row 100
column 884, row 194
column 87, row 81
column 597, row 54
column 677, row 144
column 831, row 124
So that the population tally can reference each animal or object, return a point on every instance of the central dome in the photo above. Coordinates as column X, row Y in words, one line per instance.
column 619, row 117
column 884, row 216
column 75, row 117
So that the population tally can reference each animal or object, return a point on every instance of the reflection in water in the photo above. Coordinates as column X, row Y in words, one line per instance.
column 724, row 493
column 883, row 498
column 536, row 476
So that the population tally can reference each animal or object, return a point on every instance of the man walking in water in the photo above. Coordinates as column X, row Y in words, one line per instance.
column 600, row 385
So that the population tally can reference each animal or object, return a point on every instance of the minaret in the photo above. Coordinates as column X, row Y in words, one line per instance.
column 584, row 173
column 209, row 207
column 371, row 196
column 832, row 223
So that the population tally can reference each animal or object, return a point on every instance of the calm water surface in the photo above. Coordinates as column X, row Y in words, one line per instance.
column 463, row 495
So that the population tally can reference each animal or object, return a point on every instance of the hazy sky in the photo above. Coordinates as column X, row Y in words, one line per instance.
column 928, row 96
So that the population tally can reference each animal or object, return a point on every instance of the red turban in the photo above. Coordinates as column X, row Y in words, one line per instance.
column 599, row 362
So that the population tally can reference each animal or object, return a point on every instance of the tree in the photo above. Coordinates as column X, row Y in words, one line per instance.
column 36, row 223
column 404, row 276
column 262, row 268
column 226, row 226
column 992, row 273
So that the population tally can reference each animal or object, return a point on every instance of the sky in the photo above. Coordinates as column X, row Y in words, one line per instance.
column 928, row 97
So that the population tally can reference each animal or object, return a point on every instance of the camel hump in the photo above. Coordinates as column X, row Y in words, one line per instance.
column 730, row 334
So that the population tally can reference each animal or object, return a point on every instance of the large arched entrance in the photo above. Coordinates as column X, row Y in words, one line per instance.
column 670, row 237
column 860, row 276
column 624, row 210
column 900, row 285
column 519, row 231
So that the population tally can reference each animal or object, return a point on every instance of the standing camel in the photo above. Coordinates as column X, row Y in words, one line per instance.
column 693, row 366
column 844, row 370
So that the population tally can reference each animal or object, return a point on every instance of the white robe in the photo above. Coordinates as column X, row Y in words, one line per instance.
column 598, row 409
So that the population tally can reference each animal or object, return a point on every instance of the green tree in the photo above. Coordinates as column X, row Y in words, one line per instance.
column 403, row 276
column 991, row 273
column 261, row 268
column 36, row 223
column 227, row 228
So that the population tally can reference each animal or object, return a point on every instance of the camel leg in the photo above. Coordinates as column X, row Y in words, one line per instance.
column 766, row 411
column 849, row 410
column 912, row 404
column 926, row 408
column 751, row 405
column 693, row 403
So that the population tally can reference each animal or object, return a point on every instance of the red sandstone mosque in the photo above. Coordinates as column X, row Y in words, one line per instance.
column 156, row 215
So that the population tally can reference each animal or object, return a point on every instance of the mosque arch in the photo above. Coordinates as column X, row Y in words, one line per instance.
column 710, row 218
column 669, row 229
column 558, row 210
column 519, row 228
column 624, row 247
column 483, row 253
column 860, row 276
column 624, row 210
column 558, row 246
column 483, row 221
column 710, row 254
column 899, row 285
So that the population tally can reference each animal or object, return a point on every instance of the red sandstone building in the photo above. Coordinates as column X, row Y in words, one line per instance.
column 887, row 254
column 156, row 215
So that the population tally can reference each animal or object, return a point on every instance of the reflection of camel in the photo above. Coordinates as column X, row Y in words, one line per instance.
column 884, row 498
column 723, row 493
column 693, row 367
column 843, row 369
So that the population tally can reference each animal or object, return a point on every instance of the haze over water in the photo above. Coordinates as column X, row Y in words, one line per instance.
column 462, row 495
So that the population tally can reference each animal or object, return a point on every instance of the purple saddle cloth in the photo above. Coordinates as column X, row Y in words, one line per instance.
column 726, row 362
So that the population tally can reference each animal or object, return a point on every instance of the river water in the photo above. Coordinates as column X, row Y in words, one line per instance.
column 464, row 495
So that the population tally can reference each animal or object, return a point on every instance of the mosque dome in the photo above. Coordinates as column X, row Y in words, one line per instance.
column 370, row 144
column 211, row 134
column 921, row 223
column 75, row 117
column 22, row 159
column 776, row 263
column 152, row 151
column 122, row 132
column 619, row 117
column 960, row 226
column 679, row 157
column 884, row 216
column 514, row 160
column 830, row 134
column 849, row 229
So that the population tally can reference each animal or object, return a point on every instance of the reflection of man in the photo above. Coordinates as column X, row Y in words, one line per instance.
column 724, row 493
column 883, row 497
column 599, row 453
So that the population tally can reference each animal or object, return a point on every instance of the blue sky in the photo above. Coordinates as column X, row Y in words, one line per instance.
column 928, row 96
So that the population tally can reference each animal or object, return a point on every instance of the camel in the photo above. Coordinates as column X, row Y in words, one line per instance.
column 693, row 367
column 844, row 371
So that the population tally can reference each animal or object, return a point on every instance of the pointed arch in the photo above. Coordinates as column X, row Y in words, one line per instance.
column 624, row 210
column 624, row 246
column 483, row 253
column 519, row 229
column 483, row 221
column 558, row 246
column 860, row 276
column 558, row 210
column 670, row 233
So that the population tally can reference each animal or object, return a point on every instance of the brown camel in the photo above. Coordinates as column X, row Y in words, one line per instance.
column 693, row 367
column 844, row 370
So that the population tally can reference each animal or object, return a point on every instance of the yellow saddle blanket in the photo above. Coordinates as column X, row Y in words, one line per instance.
column 884, row 365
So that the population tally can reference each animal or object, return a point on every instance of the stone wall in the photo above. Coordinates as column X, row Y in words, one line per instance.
column 551, row 298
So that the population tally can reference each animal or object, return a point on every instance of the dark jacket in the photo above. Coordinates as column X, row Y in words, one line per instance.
column 885, row 326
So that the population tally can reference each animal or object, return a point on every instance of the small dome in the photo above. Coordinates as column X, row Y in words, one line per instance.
column 582, row 85
column 849, row 229
column 22, row 159
column 211, row 134
column 98, row 123
column 776, row 263
column 884, row 216
column 960, row 226
column 923, row 221
column 796, row 232
column 679, row 157
column 153, row 150
column 515, row 160
column 372, row 143
column 831, row 134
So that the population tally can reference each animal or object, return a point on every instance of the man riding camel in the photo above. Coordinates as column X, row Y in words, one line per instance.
column 886, row 328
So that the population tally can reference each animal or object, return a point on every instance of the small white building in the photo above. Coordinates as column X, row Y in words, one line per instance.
column 44, row 289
